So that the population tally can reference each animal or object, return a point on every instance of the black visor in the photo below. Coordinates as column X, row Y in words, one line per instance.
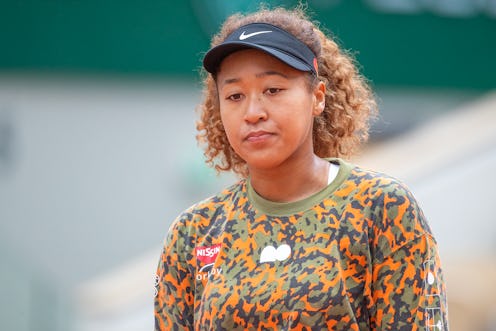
column 265, row 37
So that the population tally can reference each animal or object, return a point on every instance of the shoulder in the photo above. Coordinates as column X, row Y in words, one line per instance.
column 393, row 215
column 383, row 191
column 378, row 187
column 206, row 212
column 384, row 201
column 355, row 178
column 365, row 189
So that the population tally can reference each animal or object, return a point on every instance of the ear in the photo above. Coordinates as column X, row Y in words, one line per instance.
column 319, row 93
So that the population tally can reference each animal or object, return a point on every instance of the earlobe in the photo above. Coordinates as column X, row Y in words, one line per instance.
column 319, row 98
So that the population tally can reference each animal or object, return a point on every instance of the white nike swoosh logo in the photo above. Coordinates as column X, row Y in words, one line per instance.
column 244, row 36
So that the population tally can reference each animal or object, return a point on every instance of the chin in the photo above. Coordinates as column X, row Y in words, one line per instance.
column 266, row 163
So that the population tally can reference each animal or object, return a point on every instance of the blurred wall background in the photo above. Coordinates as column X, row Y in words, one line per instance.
column 98, row 155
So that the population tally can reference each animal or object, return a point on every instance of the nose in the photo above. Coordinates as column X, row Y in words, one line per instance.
column 255, row 110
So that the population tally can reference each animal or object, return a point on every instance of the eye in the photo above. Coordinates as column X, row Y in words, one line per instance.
column 273, row 90
column 235, row 97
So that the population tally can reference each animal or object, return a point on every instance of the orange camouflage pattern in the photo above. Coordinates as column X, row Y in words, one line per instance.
column 361, row 257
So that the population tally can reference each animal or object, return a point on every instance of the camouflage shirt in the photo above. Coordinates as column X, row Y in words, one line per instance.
column 358, row 255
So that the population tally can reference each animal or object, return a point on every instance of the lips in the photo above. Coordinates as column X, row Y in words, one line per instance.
column 258, row 136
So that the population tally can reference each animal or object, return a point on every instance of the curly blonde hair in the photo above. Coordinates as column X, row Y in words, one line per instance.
column 349, row 101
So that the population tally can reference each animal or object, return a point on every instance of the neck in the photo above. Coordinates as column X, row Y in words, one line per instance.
column 291, row 182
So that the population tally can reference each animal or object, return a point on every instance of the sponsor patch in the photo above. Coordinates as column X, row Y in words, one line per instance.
column 207, row 254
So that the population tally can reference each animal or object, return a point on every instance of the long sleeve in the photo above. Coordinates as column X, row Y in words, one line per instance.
column 174, row 298
column 407, row 287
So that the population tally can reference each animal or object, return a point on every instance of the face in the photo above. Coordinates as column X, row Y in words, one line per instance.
column 267, row 109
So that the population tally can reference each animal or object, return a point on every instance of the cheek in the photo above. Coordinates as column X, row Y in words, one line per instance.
column 230, row 126
column 298, row 113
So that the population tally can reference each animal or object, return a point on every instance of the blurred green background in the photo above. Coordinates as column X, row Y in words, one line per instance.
column 412, row 43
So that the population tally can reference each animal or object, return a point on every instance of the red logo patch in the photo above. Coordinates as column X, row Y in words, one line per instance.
column 207, row 254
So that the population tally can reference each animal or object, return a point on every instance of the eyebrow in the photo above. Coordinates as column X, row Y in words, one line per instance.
column 260, row 75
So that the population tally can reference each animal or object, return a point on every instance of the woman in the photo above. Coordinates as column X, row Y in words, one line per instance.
column 305, row 240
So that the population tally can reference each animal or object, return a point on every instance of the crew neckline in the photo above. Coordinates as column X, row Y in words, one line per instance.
column 332, row 173
column 290, row 208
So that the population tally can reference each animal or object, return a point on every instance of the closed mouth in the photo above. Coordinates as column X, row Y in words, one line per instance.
column 257, row 136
